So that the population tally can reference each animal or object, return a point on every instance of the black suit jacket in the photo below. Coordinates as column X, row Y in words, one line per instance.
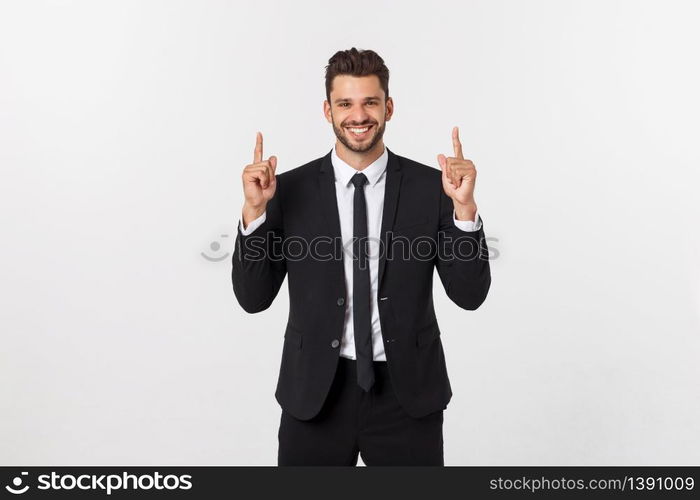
column 301, row 239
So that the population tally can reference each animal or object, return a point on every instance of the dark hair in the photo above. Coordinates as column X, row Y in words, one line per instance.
column 356, row 63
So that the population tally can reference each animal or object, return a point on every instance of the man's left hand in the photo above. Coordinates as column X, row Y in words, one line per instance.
column 458, row 179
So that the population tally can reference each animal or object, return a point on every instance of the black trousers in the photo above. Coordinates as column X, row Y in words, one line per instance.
column 353, row 421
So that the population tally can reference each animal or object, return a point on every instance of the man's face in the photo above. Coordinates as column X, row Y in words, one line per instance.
column 358, row 102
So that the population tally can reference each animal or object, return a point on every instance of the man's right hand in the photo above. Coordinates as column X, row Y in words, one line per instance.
column 259, row 183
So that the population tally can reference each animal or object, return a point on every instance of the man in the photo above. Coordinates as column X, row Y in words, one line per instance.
column 359, row 232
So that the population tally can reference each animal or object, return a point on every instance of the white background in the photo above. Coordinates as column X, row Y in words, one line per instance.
column 124, row 127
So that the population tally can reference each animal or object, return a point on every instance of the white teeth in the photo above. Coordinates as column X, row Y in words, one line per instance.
column 359, row 130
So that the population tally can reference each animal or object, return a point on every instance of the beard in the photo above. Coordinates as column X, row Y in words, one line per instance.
column 345, row 137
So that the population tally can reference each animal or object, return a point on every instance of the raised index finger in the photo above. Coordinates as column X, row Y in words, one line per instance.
column 456, row 144
column 257, row 156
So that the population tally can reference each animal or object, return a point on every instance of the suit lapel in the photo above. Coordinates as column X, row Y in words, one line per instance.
column 329, row 203
column 329, row 209
column 391, row 198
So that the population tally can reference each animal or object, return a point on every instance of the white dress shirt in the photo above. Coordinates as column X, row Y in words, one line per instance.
column 374, row 195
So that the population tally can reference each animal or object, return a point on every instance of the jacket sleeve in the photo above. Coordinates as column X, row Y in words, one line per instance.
column 462, row 259
column 258, row 264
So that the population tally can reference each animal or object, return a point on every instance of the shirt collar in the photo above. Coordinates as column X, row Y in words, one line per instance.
column 373, row 171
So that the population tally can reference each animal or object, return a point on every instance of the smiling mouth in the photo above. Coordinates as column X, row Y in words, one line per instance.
column 360, row 132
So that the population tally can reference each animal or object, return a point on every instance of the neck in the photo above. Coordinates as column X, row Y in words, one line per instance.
column 357, row 160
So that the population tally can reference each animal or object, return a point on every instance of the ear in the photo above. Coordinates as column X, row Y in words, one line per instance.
column 389, row 108
column 327, row 111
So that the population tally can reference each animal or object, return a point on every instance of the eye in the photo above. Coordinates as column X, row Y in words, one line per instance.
column 342, row 104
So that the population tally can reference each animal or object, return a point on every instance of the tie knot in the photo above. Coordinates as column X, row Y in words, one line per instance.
column 359, row 179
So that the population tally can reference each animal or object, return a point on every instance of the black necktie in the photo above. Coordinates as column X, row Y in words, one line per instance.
column 362, row 319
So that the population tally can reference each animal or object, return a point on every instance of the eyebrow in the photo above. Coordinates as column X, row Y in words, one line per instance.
column 347, row 99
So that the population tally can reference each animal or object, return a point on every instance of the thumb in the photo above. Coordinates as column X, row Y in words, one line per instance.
column 273, row 163
column 441, row 161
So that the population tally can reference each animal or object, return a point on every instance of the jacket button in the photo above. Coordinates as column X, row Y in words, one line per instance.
column 335, row 343
column 340, row 301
